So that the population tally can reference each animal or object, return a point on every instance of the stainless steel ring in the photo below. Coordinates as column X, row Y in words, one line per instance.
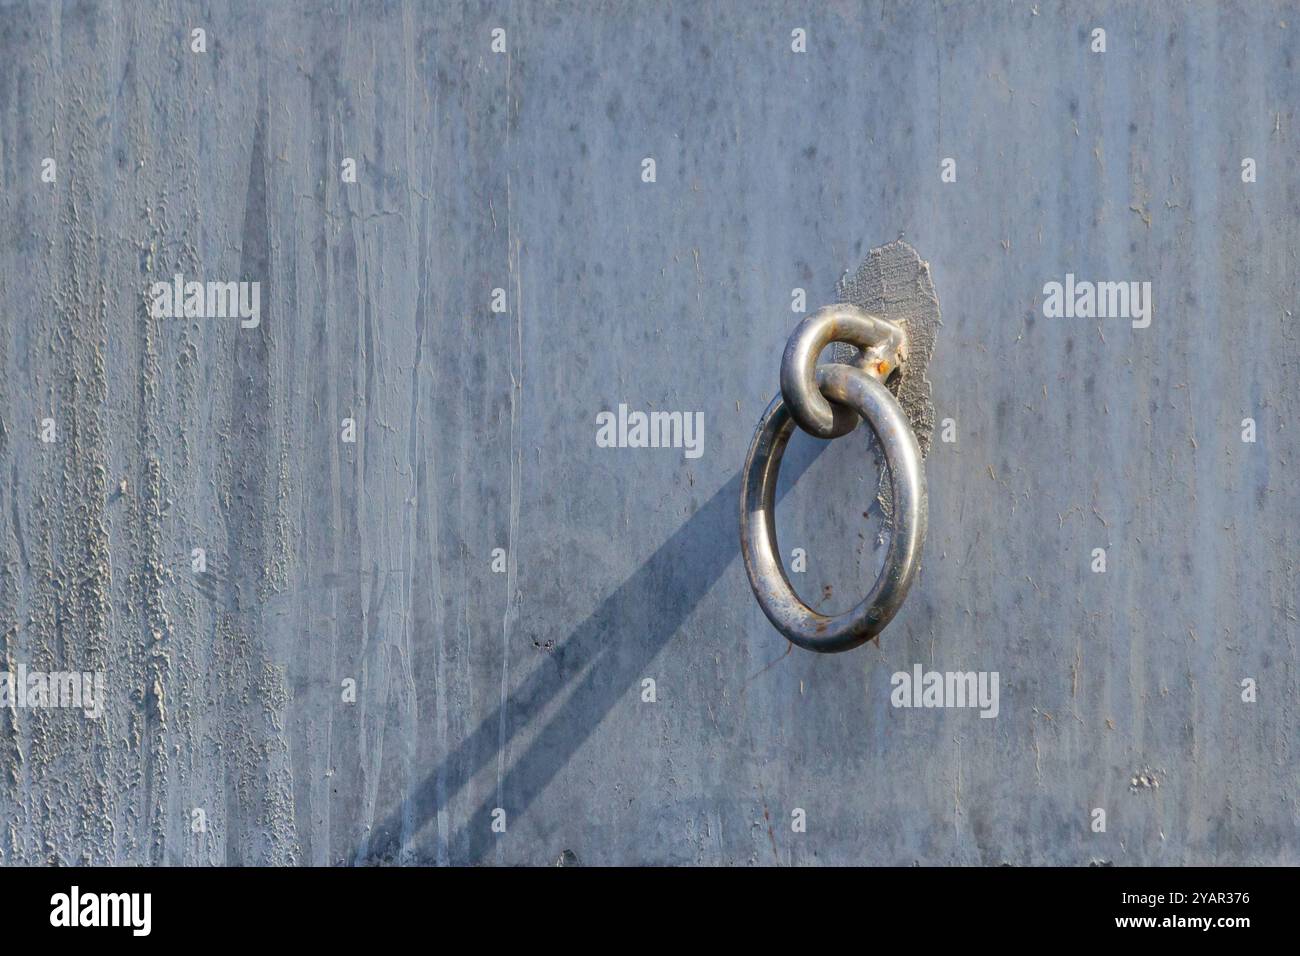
column 883, row 349
column 801, row 624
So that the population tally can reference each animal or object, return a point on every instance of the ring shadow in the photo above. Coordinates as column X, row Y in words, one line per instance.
column 660, row 595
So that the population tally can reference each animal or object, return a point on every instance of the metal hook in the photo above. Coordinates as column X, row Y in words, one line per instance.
column 883, row 350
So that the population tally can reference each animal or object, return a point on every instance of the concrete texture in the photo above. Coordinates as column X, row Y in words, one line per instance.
column 226, row 737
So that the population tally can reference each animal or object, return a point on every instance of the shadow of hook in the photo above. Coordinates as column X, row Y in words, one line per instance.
column 659, row 596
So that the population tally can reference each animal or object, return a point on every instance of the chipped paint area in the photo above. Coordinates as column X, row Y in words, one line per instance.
column 895, row 282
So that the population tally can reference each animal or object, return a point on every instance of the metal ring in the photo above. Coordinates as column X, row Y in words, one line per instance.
column 883, row 346
column 798, row 622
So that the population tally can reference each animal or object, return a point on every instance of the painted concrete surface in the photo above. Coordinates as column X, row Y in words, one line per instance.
column 226, row 736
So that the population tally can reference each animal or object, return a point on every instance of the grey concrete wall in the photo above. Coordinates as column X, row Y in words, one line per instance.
column 371, row 562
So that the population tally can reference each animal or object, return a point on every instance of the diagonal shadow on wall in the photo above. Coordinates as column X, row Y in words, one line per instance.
column 603, row 662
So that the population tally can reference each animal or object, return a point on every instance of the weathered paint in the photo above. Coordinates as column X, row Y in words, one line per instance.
column 522, row 690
